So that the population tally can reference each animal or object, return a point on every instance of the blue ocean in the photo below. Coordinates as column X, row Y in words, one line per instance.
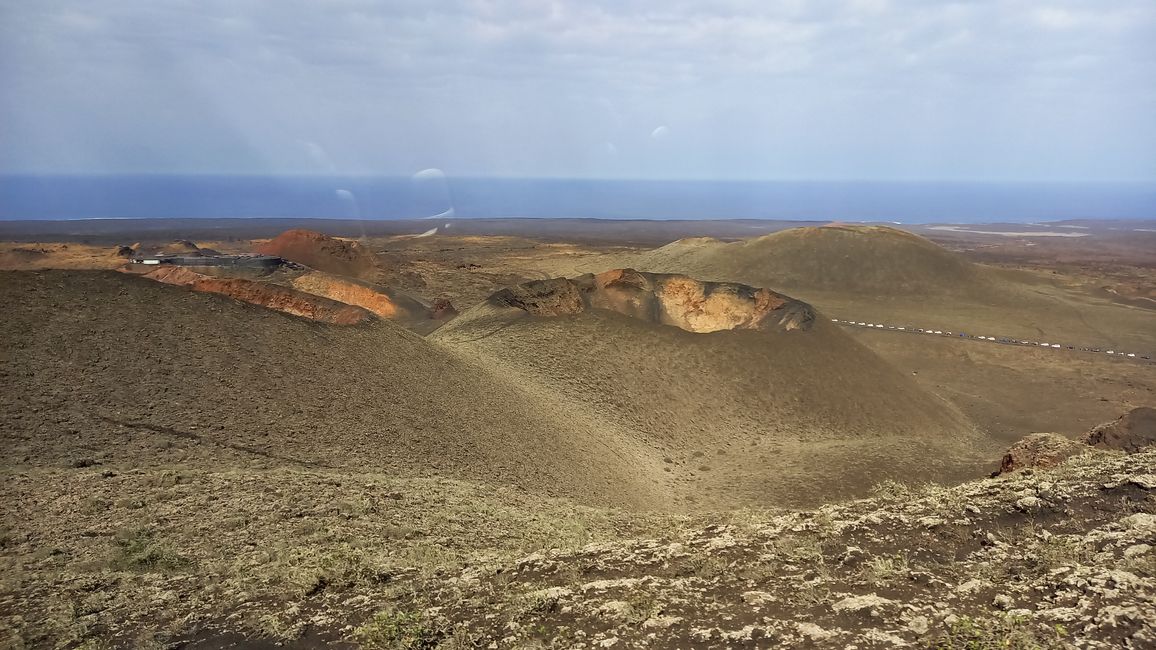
column 437, row 196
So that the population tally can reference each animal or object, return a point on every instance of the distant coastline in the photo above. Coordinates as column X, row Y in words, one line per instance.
column 72, row 197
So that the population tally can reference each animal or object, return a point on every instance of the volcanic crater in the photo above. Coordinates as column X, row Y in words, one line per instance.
column 667, row 299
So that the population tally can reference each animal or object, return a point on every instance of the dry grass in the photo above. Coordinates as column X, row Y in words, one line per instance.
column 245, row 553
column 141, row 550
column 1001, row 633
column 392, row 630
column 885, row 569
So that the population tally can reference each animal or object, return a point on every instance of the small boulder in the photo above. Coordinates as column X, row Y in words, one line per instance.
column 442, row 308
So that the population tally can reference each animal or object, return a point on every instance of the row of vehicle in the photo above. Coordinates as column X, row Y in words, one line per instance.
column 983, row 337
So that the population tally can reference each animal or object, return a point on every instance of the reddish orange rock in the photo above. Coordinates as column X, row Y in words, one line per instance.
column 271, row 296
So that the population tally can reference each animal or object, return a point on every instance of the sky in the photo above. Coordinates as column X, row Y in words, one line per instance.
column 989, row 90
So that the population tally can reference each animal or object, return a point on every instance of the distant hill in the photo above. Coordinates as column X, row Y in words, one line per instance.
column 323, row 253
column 180, row 247
column 871, row 259
column 883, row 274
column 742, row 415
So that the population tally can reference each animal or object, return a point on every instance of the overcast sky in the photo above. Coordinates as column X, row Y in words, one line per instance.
column 798, row 89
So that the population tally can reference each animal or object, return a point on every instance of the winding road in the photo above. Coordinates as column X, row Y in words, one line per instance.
column 1002, row 340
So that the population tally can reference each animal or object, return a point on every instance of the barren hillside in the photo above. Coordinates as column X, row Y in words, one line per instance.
column 867, row 259
column 1037, row 561
column 186, row 470
column 101, row 367
column 291, row 557
column 782, row 414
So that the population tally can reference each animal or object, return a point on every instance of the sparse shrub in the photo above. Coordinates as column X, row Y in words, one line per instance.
column 567, row 574
column 431, row 559
column 1143, row 565
column 1005, row 632
column 642, row 607
column 891, row 490
column 307, row 571
column 708, row 567
column 810, row 594
column 280, row 627
column 1130, row 505
column 799, row 548
column 758, row 572
column 393, row 630
column 747, row 520
column 538, row 603
column 1060, row 551
column 825, row 524
column 140, row 550
column 461, row 638
column 945, row 499
column 543, row 637
column 885, row 568
column 562, row 534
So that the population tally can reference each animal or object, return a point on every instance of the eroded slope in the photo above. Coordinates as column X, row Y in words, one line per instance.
column 102, row 367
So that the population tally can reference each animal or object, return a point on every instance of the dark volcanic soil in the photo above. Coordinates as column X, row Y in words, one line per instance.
column 120, row 370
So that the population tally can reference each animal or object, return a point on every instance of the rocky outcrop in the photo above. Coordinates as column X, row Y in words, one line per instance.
column 669, row 299
column 276, row 297
column 1131, row 432
column 1040, row 450
column 324, row 253
column 1057, row 559
column 384, row 303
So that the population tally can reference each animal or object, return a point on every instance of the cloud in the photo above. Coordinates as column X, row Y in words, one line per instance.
column 836, row 88
column 429, row 174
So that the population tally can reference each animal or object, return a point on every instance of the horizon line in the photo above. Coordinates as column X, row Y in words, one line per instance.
column 601, row 179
